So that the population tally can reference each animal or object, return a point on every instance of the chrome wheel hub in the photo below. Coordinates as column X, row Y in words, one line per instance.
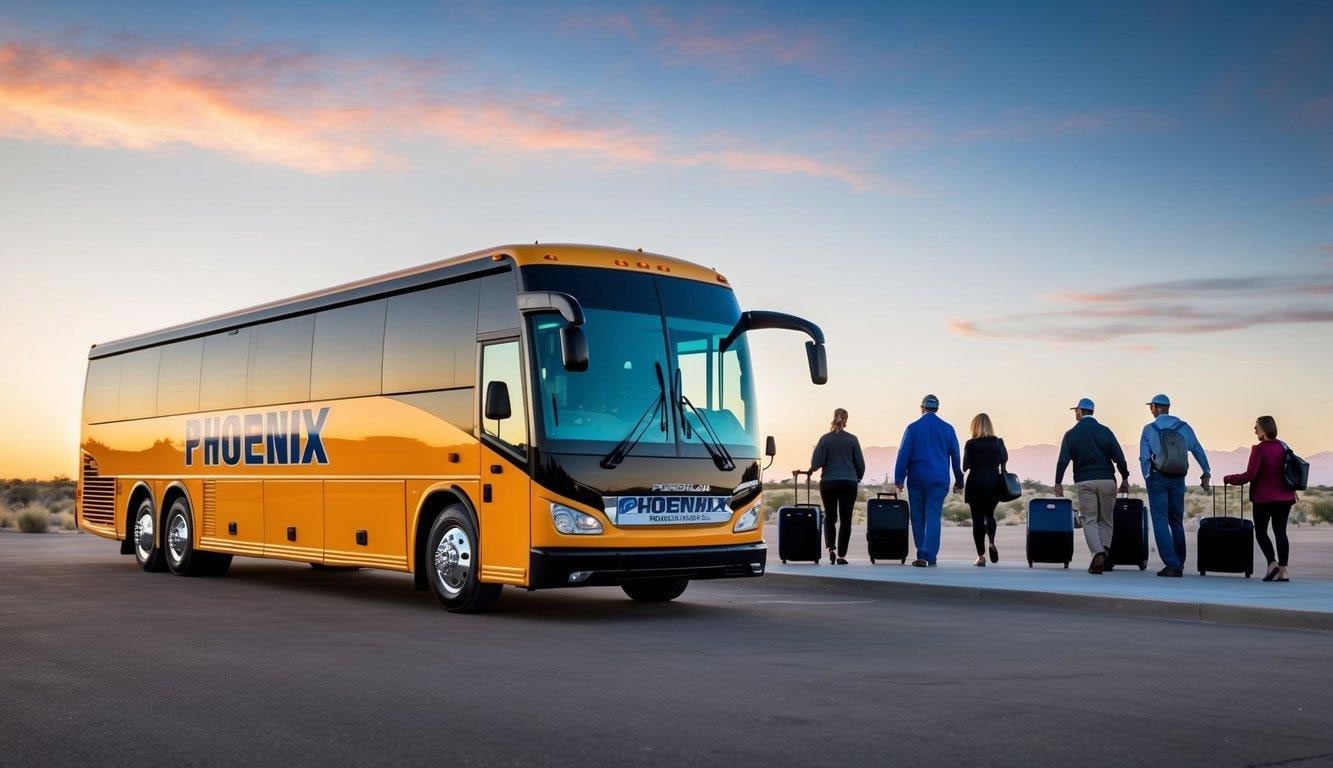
column 178, row 536
column 453, row 560
column 143, row 535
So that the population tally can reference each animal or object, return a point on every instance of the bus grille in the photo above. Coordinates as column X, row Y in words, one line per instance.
column 99, row 496
column 210, row 523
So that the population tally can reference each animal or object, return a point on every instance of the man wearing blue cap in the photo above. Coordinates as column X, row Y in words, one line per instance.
column 1164, row 451
column 928, row 446
column 1096, row 455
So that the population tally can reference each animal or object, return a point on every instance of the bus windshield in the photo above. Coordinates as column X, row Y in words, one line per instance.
column 636, row 325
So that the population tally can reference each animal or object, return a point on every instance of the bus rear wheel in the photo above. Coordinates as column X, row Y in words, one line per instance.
column 453, row 565
column 655, row 590
column 146, row 551
column 178, row 540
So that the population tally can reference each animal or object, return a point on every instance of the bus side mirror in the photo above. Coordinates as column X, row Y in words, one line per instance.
column 818, row 360
column 770, row 447
column 497, row 401
column 574, row 348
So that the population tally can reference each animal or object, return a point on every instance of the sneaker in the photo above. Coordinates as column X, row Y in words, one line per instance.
column 1170, row 572
column 994, row 554
column 920, row 563
column 1098, row 563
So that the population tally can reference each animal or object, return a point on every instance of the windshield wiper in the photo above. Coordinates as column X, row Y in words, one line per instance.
column 622, row 449
column 711, row 442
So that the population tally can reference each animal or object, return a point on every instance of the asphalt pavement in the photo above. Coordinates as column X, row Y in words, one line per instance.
column 101, row 664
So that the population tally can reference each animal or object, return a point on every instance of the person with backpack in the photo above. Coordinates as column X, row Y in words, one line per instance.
column 1164, row 451
column 838, row 454
column 1271, row 494
column 928, row 448
column 1096, row 455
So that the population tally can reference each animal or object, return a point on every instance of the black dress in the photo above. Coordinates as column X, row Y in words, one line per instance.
column 982, row 459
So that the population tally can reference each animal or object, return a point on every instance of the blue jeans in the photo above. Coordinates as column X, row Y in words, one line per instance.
column 1166, row 503
column 927, row 502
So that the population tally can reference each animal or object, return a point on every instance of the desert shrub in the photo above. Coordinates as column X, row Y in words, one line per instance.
column 21, row 494
column 957, row 511
column 64, row 520
column 1321, row 510
column 34, row 519
column 8, row 518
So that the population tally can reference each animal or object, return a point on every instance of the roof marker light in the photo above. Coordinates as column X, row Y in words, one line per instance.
column 622, row 263
column 550, row 257
column 643, row 265
column 663, row 268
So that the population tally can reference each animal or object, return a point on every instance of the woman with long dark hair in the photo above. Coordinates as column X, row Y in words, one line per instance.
column 1270, row 494
column 838, row 454
column 983, row 456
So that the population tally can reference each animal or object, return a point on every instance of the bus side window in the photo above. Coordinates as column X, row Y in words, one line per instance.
column 500, row 362
column 101, row 392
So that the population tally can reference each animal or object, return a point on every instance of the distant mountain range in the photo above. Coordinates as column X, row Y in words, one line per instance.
column 1037, row 462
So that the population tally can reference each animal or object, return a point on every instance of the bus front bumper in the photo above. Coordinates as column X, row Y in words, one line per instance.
column 609, row 567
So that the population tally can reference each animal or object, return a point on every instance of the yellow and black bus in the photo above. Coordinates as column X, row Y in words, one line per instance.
column 536, row 415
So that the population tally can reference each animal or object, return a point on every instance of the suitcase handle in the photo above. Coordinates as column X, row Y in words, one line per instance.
column 796, row 492
column 1224, row 501
column 889, row 494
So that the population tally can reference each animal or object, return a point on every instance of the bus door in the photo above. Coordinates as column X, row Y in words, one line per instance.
column 505, row 500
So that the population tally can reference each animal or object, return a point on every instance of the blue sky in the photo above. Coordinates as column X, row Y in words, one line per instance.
column 933, row 184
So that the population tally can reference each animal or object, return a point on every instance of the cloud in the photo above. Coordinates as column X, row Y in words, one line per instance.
column 1175, row 307
column 328, row 115
column 212, row 100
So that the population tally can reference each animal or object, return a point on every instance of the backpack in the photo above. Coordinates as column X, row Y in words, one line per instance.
column 1295, row 470
column 1174, row 458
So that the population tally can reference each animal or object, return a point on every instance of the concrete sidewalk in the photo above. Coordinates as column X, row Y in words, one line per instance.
column 1225, row 598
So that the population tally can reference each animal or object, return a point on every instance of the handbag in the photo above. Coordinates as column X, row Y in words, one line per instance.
column 1010, row 487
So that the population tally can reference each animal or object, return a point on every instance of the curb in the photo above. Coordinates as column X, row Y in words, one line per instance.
column 1217, row 613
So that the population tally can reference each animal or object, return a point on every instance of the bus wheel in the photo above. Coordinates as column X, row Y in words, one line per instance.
column 182, row 558
column 454, row 569
column 655, row 590
column 146, row 553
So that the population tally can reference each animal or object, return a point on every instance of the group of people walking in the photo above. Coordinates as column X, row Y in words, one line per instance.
column 930, row 462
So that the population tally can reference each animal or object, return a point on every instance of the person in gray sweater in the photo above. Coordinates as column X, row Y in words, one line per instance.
column 838, row 454
column 1096, row 455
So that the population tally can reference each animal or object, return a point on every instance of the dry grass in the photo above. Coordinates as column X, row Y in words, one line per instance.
column 34, row 519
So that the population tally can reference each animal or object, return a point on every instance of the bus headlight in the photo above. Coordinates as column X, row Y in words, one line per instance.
column 748, row 521
column 573, row 522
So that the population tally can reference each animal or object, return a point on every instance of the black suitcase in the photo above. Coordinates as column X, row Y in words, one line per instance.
column 1226, row 544
column 1050, row 531
column 887, row 523
column 1129, row 537
column 800, row 526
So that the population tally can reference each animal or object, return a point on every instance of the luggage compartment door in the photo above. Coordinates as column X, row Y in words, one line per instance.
column 294, row 520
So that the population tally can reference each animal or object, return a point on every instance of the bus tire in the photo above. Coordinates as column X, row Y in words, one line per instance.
column 454, row 565
column 655, row 590
column 146, row 551
column 178, row 542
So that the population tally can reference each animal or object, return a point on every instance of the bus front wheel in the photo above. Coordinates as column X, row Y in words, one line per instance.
column 146, row 551
column 655, row 590
column 453, row 567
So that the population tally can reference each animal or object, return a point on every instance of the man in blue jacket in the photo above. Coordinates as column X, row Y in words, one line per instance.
column 928, row 446
column 1164, row 450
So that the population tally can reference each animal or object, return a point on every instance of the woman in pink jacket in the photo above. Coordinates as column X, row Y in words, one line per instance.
column 1270, row 494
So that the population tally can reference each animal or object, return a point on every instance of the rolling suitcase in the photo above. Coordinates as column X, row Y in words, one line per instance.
column 1129, row 537
column 1050, row 531
column 1226, row 544
column 887, row 522
column 800, row 526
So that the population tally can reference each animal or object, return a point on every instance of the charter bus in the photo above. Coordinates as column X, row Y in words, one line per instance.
column 532, row 415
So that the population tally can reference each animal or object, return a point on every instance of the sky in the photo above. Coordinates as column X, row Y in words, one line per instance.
column 1010, row 206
